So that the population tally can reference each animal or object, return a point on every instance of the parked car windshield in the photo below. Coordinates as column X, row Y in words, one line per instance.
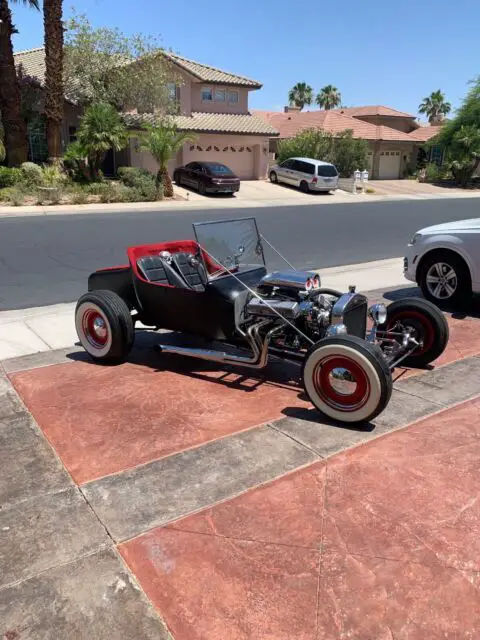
column 235, row 244
column 218, row 169
column 327, row 171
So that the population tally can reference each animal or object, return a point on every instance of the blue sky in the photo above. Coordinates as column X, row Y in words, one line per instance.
column 391, row 52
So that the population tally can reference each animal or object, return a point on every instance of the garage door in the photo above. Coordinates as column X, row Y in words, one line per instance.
column 240, row 159
column 389, row 165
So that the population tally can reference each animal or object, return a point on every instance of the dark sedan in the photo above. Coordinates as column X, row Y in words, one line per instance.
column 207, row 177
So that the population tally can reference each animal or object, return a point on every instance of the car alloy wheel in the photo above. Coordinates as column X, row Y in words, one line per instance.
column 441, row 281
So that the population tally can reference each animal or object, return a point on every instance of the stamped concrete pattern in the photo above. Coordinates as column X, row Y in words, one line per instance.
column 248, row 525
column 381, row 541
column 134, row 501
column 94, row 597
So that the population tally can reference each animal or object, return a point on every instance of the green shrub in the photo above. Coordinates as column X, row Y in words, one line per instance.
column 9, row 176
column 52, row 176
column 80, row 196
column 112, row 192
column 141, row 180
column 16, row 196
column 434, row 173
column 32, row 174
column 74, row 161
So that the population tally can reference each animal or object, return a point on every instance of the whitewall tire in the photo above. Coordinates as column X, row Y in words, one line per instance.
column 104, row 326
column 347, row 379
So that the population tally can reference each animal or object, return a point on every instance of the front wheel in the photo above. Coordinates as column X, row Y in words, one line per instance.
column 424, row 322
column 104, row 326
column 444, row 279
column 273, row 177
column 347, row 379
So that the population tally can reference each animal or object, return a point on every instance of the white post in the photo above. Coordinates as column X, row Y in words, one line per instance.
column 364, row 180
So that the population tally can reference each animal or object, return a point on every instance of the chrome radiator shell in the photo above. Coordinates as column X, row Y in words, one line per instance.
column 351, row 310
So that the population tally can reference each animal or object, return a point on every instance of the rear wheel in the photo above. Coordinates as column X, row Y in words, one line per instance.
column 104, row 326
column 177, row 179
column 424, row 322
column 347, row 379
column 273, row 176
column 304, row 186
column 444, row 279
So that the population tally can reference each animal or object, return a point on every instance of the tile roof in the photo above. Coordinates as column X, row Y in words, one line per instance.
column 32, row 62
column 289, row 124
column 423, row 134
column 210, row 123
column 206, row 73
column 374, row 110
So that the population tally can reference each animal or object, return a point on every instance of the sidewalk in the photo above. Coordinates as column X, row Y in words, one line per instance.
column 170, row 499
column 283, row 198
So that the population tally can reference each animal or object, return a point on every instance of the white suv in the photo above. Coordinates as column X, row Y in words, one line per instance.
column 306, row 173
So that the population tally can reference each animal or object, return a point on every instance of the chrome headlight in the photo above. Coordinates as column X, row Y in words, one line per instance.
column 416, row 237
column 378, row 313
column 336, row 330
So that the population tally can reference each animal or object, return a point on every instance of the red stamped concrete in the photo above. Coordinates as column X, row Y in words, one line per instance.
column 382, row 541
column 103, row 420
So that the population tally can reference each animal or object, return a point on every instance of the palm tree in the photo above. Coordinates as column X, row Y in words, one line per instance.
column 329, row 97
column 53, row 29
column 300, row 95
column 101, row 129
column 14, row 126
column 164, row 141
column 435, row 107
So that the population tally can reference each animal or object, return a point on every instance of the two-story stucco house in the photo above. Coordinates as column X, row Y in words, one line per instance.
column 213, row 105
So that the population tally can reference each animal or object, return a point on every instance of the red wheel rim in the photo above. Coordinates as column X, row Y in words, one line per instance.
column 346, row 399
column 95, row 328
column 419, row 322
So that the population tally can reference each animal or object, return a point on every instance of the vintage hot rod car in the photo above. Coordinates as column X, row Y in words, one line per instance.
column 217, row 287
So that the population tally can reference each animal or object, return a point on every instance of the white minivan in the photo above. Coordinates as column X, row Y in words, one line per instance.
column 306, row 173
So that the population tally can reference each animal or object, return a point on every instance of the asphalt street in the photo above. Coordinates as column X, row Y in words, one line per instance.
column 47, row 259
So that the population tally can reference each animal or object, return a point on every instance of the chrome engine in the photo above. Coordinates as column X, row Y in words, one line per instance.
column 310, row 312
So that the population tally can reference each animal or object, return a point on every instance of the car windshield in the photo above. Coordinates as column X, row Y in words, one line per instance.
column 326, row 171
column 218, row 169
column 235, row 244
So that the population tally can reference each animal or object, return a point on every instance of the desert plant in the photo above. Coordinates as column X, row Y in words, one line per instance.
column 32, row 174
column 139, row 179
column 10, row 103
column 435, row 107
column 163, row 141
column 9, row 176
column 329, row 97
column 17, row 196
column 101, row 129
column 300, row 95
column 54, row 93
column 79, row 196
column 53, row 176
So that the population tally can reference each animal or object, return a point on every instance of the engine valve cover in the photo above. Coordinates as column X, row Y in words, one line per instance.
column 286, row 308
column 287, row 279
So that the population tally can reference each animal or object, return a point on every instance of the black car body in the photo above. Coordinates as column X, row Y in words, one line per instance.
column 217, row 287
column 207, row 177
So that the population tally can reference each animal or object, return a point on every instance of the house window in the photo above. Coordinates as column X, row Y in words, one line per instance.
column 172, row 91
column 207, row 94
column 232, row 97
column 219, row 95
column 436, row 154
column 72, row 134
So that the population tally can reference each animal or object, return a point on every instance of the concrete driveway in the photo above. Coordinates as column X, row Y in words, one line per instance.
column 264, row 192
